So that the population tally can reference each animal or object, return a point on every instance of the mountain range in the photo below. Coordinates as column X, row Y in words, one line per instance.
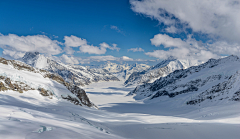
column 214, row 82
column 22, row 78
column 160, row 70
column 123, row 71
column 75, row 74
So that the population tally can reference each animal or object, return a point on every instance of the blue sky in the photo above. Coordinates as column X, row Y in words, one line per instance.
column 129, row 24
column 91, row 20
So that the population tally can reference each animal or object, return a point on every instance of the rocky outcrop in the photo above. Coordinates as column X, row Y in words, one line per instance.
column 155, row 72
column 79, row 96
column 74, row 74
column 213, row 81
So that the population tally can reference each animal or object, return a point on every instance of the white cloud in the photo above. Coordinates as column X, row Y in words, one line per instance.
column 136, row 50
column 74, row 41
column 171, row 29
column 68, row 60
column 92, row 49
column 105, row 45
column 167, row 41
column 214, row 17
column 40, row 43
column 12, row 54
column 225, row 48
column 68, row 50
column 181, row 49
column 125, row 58
column 117, row 29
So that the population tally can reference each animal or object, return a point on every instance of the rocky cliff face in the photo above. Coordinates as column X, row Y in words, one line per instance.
column 13, row 76
column 160, row 70
column 214, row 81
column 74, row 74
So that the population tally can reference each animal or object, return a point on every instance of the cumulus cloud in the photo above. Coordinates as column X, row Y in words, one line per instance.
column 40, row 43
column 92, row 49
column 12, row 54
column 167, row 41
column 136, row 50
column 84, row 47
column 224, row 48
column 105, row 45
column 74, row 41
column 125, row 58
column 214, row 17
column 181, row 49
column 171, row 29
column 68, row 59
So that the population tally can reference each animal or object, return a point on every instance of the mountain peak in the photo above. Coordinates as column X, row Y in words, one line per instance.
column 30, row 55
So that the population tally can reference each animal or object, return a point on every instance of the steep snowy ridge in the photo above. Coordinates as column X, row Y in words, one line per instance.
column 123, row 71
column 75, row 74
column 216, row 81
column 32, row 105
column 160, row 70
column 20, row 77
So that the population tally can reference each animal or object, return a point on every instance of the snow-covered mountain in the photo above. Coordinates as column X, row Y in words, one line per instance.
column 123, row 71
column 33, row 106
column 21, row 78
column 76, row 74
column 216, row 81
column 160, row 70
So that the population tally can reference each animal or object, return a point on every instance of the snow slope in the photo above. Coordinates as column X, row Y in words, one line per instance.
column 160, row 70
column 138, row 120
column 30, row 115
column 20, row 77
column 76, row 74
column 211, row 83
column 123, row 71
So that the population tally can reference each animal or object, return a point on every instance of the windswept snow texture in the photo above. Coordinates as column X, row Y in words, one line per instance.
column 32, row 116
column 160, row 70
column 76, row 74
column 29, row 115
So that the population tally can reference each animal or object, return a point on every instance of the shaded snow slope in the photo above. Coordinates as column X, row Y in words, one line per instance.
column 211, row 83
column 160, row 70
column 76, row 74
column 30, row 115
column 20, row 77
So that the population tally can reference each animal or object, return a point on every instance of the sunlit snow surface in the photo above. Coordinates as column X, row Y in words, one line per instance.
column 32, row 116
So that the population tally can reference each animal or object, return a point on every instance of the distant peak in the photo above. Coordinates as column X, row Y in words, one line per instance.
column 171, row 58
column 30, row 55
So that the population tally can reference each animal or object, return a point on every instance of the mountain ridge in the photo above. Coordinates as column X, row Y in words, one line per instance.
column 10, row 81
column 76, row 74
column 212, row 81
column 162, row 69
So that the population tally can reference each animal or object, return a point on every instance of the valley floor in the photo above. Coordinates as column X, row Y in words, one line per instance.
column 32, row 116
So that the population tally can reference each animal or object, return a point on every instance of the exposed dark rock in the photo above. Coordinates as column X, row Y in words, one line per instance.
column 44, row 92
